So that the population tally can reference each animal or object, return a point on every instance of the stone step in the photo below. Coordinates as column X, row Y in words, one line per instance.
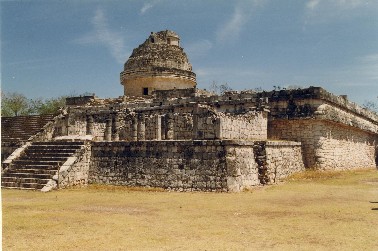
column 30, row 175
column 54, row 147
column 38, row 164
column 18, row 188
column 25, row 180
column 48, row 155
column 59, row 143
column 22, row 185
column 48, row 147
column 33, row 185
column 39, row 152
column 32, row 169
column 47, row 158
column 27, row 172
column 36, row 161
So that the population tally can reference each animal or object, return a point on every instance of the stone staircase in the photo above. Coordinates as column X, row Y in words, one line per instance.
column 21, row 128
column 38, row 164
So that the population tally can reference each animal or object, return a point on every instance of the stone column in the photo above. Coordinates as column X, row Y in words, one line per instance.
column 158, row 127
column 65, row 130
column 169, row 123
column 90, row 127
column 134, row 128
column 141, row 127
column 108, row 130
column 115, row 127
column 218, row 129
column 195, row 122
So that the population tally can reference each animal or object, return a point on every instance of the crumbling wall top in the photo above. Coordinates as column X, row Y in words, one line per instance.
column 161, row 49
column 318, row 93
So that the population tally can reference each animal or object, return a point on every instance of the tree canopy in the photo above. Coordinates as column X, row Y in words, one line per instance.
column 16, row 104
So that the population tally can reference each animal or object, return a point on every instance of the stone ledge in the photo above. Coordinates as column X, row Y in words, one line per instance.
column 283, row 143
column 74, row 138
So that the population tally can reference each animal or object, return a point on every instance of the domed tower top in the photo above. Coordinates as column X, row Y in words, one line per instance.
column 165, row 37
column 157, row 64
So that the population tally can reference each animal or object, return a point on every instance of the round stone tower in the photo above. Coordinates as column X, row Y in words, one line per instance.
column 157, row 64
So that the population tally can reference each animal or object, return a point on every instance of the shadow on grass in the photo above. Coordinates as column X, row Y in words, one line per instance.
column 374, row 208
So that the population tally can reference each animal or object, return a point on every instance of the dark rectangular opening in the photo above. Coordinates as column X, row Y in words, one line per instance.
column 145, row 91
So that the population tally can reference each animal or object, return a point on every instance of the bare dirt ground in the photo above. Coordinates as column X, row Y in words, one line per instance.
column 309, row 211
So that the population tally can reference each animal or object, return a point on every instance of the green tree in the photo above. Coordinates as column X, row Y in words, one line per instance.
column 48, row 106
column 14, row 104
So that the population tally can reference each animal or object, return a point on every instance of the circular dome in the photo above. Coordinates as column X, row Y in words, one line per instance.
column 160, row 63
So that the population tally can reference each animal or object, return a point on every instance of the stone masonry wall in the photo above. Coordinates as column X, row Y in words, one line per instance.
column 326, row 144
column 74, row 172
column 242, row 168
column 283, row 158
column 181, row 122
column 134, row 87
column 200, row 165
column 177, row 165
column 251, row 125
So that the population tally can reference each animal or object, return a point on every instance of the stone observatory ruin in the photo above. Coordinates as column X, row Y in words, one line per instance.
column 157, row 64
column 164, row 132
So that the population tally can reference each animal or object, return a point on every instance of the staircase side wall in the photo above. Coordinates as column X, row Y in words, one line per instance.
column 16, row 153
column 7, row 148
column 47, row 132
column 74, row 172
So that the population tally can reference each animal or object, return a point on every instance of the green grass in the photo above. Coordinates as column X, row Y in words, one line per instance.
column 310, row 211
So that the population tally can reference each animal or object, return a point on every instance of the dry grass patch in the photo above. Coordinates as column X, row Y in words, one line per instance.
column 333, row 213
column 313, row 174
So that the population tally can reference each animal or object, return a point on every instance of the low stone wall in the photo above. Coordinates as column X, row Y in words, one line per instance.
column 283, row 158
column 200, row 165
column 75, row 170
column 242, row 169
column 327, row 145
column 177, row 165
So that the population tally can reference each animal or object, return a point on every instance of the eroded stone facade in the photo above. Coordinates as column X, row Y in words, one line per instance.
column 157, row 64
column 200, row 165
column 335, row 133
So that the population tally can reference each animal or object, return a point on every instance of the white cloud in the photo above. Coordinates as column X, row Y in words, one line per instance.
column 339, row 4
column 231, row 29
column 148, row 5
column 312, row 4
column 102, row 34
column 319, row 9
column 323, row 11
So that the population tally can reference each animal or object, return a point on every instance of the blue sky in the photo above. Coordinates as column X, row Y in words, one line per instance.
column 53, row 48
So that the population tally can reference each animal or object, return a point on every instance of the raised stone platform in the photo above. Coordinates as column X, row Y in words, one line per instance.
column 199, row 165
